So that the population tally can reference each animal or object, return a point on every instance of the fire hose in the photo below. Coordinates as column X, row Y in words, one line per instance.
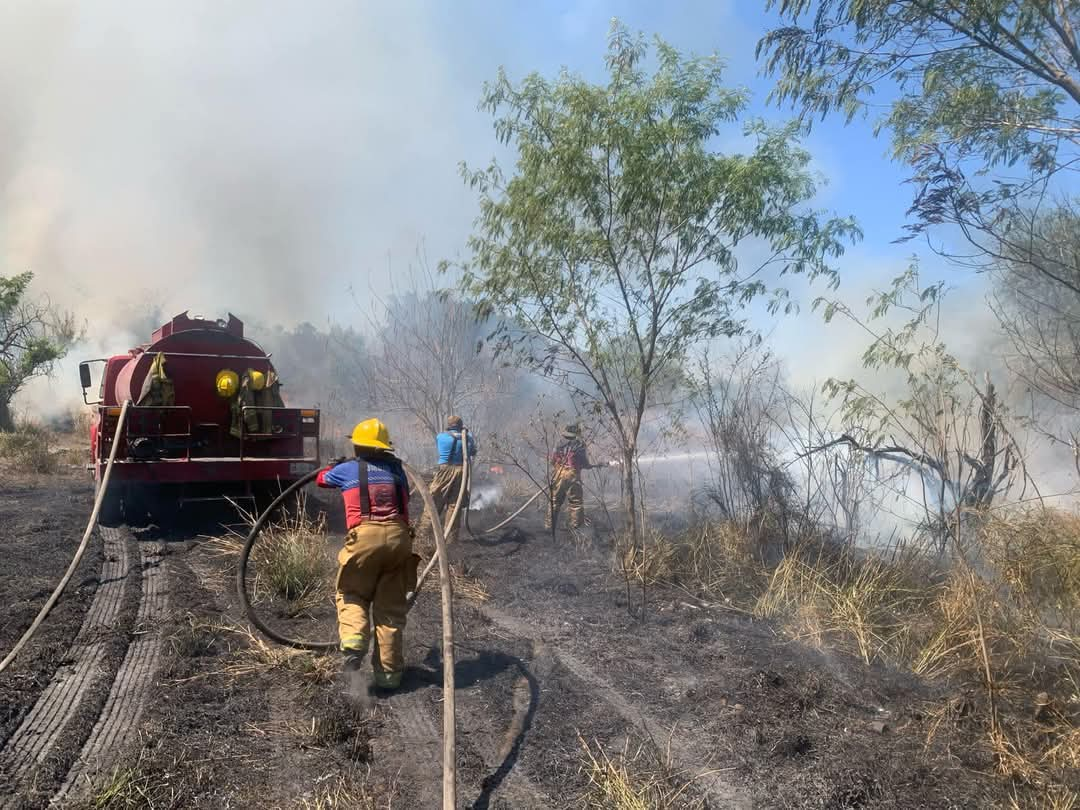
column 449, row 730
column 99, row 499
column 466, row 485
column 466, row 475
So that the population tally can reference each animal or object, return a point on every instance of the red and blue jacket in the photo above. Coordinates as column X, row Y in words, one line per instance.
column 374, row 489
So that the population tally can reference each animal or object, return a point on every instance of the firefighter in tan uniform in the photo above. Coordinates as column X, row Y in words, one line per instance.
column 447, row 481
column 567, row 462
column 377, row 567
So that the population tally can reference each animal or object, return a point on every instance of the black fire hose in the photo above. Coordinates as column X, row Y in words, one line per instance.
column 242, row 567
column 253, row 536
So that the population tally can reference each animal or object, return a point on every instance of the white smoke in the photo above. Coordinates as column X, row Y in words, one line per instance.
column 485, row 496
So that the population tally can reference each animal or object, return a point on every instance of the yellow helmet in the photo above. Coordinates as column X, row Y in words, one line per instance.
column 256, row 380
column 372, row 433
column 227, row 383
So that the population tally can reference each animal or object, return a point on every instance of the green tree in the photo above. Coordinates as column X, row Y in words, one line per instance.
column 33, row 336
column 982, row 98
column 612, row 247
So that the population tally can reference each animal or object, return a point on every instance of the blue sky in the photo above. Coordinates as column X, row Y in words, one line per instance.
column 278, row 159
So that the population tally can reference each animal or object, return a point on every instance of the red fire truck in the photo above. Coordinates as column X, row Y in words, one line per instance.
column 205, row 444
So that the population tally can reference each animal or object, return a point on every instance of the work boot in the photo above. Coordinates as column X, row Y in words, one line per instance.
column 386, row 682
column 352, row 672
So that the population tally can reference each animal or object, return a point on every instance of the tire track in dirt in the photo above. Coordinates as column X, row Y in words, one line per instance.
column 119, row 720
column 38, row 734
column 685, row 756
column 417, row 734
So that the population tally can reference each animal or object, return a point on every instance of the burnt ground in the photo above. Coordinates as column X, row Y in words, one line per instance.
column 553, row 661
column 41, row 522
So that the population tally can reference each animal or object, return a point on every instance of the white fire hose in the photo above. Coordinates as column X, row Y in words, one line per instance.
column 50, row 603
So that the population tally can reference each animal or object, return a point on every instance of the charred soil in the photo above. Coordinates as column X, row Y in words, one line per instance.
column 713, row 708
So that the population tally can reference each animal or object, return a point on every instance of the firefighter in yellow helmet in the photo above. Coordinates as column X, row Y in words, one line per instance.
column 376, row 565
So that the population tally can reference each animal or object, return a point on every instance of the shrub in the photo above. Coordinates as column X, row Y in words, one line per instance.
column 1037, row 552
column 28, row 448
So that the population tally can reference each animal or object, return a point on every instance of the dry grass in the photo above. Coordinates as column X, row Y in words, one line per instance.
column 197, row 637
column 144, row 785
column 1037, row 553
column 717, row 561
column 468, row 587
column 864, row 604
column 291, row 563
column 720, row 560
column 128, row 788
column 653, row 561
column 1001, row 637
column 246, row 653
column 257, row 655
column 350, row 793
column 635, row 779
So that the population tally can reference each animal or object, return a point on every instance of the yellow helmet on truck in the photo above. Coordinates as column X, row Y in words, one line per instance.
column 227, row 383
column 256, row 380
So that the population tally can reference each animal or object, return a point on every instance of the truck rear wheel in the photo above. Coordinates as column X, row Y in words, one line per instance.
column 112, row 506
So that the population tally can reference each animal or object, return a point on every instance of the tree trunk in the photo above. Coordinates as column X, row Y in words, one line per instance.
column 7, row 423
column 633, row 527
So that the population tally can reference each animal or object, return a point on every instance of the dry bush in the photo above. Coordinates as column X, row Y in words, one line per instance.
column 1037, row 553
column 29, row 448
column 635, row 779
column 649, row 562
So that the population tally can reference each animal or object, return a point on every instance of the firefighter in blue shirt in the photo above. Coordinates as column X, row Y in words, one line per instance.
column 447, row 481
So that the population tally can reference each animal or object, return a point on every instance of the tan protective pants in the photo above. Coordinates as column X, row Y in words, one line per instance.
column 377, row 568
column 566, row 485
column 444, row 491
